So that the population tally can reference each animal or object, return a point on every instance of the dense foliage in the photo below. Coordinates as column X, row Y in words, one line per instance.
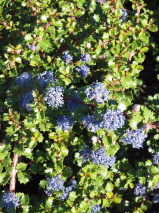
column 75, row 134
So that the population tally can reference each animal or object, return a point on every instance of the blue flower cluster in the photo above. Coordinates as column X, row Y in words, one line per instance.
column 156, row 158
column 113, row 119
column 10, row 200
column 71, row 105
column 85, row 154
column 135, row 137
column 54, row 96
column 124, row 15
column 155, row 187
column 155, row 198
column 97, row 156
column 67, row 57
column 91, row 123
column 85, row 57
column 67, row 190
column 110, row 120
column 54, row 184
column 65, row 122
column 25, row 100
column 24, row 80
column 45, row 78
column 96, row 208
column 83, row 70
column 32, row 47
column 140, row 189
column 98, row 92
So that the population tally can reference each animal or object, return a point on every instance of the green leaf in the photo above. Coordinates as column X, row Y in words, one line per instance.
column 23, row 177
column 106, row 203
column 28, row 38
column 83, row 206
column 49, row 202
column 24, row 200
column 64, row 151
column 33, row 63
column 153, row 28
column 144, row 36
column 67, row 172
column 2, row 156
column 144, row 49
column 28, row 153
column 133, row 122
column 44, row 44
column 4, row 177
column 117, row 200
column 58, row 166
column 128, row 83
column 109, row 194
column 72, row 196
column 109, row 187
column 19, row 149
column 21, row 166
column 124, row 104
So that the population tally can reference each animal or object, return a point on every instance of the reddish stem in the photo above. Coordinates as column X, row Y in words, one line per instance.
column 47, row 25
column 13, row 174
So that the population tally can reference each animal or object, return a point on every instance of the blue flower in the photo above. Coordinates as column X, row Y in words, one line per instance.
column 98, row 92
column 10, row 200
column 65, row 122
column 99, row 157
column 45, row 78
column 25, row 100
column 83, row 70
column 67, row 190
column 91, row 123
column 85, row 57
column 24, row 80
column 85, row 154
column 54, row 184
column 32, row 47
column 156, row 198
column 139, row 189
column 155, row 187
column 54, row 96
column 134, row 137
column 96, row 208
column 113, row 119
column 124, row 15
column 67, row 57
column 71, row 104
column 156, row 158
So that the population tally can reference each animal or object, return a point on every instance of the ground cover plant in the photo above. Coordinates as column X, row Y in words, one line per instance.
column 76, row 136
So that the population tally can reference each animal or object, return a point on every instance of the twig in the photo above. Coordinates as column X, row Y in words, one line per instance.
column 138, row 12
column 13, row 174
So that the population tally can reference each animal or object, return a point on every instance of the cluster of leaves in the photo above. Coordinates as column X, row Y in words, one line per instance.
column 50, row 95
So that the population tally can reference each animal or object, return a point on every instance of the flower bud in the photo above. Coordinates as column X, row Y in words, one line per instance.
column 94, row 139
column 136, row 108
column 88, row 45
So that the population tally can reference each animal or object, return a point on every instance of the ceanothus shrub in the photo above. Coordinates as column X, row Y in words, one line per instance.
column 76, row 136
